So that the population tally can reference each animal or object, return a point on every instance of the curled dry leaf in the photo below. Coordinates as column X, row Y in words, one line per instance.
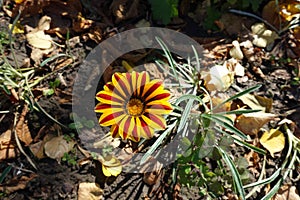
column 22, row 128
column 89, row 191
column 111, row 166
column 7, row 147
column 236, row 51
column 37, row 37
column 251, row 123
column 56, row 147
column 273, row 141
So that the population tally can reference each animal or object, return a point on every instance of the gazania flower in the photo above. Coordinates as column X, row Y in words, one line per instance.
column 133, row 105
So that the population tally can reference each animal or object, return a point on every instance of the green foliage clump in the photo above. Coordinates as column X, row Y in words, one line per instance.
column 164, row 10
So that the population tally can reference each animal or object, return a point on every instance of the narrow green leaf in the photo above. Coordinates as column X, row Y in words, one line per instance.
column 238, row 112
column 273, row 191
column 185, row 115
column 188, row 97
column 249, row 146
column 53, row 58
column 225, row 125
column 235, row 174
column 157, row 143
column 249, row 90
column 265, row 181
column 4, row 173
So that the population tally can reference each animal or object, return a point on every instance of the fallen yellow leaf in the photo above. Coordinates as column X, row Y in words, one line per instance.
column 273, row 141
column 111, row 166
column 18, row 28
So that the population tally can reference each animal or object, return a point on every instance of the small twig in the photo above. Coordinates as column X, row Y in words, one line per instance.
column 19, row 143
column 21, row 169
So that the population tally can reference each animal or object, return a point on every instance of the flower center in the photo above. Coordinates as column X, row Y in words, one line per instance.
column 135, row 107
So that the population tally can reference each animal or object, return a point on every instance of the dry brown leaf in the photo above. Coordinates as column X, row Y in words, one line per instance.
column 253, row 161
column 90, row 191
column 256, row 102
column 265, row 102
column 56, row 147
column 22, row 128
column 270, row 14
column 216, row 101
column 38, row 149
column 80, row 23
column 15, row 184
column 29, row 8
column 273, row 141
column 251, row 123
column 37, row 37
column 124, row 9
column 287, row 192
column 37, row 54
column 7, row 147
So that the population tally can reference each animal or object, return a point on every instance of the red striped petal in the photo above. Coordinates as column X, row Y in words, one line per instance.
column 142, row 80
column 152, row 88
column 121, row 84
column 108, row 98
column 155, row 121
column 114, row 131
column 145, row 130
column 163, row 96
column 110, row 119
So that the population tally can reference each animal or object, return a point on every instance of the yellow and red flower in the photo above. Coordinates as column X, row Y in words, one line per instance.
column 133, row 105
